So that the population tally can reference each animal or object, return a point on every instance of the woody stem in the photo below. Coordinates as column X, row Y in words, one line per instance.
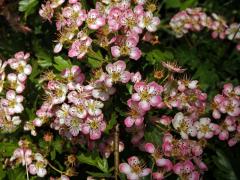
column 116, row 151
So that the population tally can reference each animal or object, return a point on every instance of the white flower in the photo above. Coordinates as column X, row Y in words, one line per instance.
column 13, row 102
column 184, row 125
column 39, row 167
column 93, row 107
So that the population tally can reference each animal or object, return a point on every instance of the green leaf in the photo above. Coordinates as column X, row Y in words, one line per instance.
column 180, row 4
column 173, row 3
column 154, row 136
column 112, row 122
column 35, row 70
column 96, row 174
column 94, row 63
column 57, row 145
column 187, row 4
column 2, row 172
column 44, row 58
column 156, row 56
column 28, row 6
column 53, row 155
column 101, row 164
column 17, row 174
column 7, row 148
column 224, row 169
column 61, row 64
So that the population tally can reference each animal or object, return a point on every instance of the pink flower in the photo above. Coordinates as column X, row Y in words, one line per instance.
column 218, row 26
column 117, row 73
column 133, row 169
column 79, row 110
column 102, row 92
column 94, row 126
column 73, row 76
column 147, row 95
column 205, row 129
column 79, row 95
column 128, row 49
column 228, row 125
column 164, row 120
column 114, row 19
column 158, row 175
column 230, row 106
column 149, row 22
column 95, row 20
column 79, row 48
column 46, row 11
column 57, row 92
column 62, row 113
column 135, row 116
column 22, row 155
column 130, row 21
column 73, row 16
column 158, row 156
column 74, row 124
column 184, row 167
column 230, row 91
column 136, row 77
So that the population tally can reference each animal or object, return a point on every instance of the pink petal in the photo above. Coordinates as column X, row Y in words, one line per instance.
column 144, row 105
column 149, row 147
column 115, row 50
column 124, row 168
column 129, row 122
column 135, row 53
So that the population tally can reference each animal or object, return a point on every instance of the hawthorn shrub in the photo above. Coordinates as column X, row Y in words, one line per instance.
column 119, row 89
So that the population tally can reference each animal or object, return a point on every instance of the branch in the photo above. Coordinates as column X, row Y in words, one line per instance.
column 116, row 151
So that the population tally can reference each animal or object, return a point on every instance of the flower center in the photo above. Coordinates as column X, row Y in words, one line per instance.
column 94, row 125
column 12, row 103
column 75, row 122
column 91, row 20
column 145, row 95
column 205, row 128
column 131, row 22
column 124, row 50
column 115, row 76
column 137, row 169
column 147, row 20
column 183, row 126
column 39, row 164
column 82, row 48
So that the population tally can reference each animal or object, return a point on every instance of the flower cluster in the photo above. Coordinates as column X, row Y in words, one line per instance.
column 12, row 85
column 74, row 108
column 180, row 154
column 196, row 19
column 227, row 104
column 185, row 96
column 35, row 162
column 116, row 25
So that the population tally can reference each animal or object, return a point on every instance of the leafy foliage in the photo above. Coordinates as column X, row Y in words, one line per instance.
column 211, row 62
